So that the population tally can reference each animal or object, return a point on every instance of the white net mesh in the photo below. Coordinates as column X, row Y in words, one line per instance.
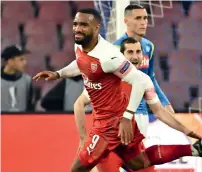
column 111, row 28
column 113, row 24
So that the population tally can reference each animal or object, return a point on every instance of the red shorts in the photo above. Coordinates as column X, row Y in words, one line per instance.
column 103, row 139
column 113, row 162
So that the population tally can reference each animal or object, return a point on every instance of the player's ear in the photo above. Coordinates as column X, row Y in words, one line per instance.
column 98, row 27
column 125, row 20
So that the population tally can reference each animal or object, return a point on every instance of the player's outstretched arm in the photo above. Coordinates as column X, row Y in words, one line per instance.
column 166, row 116
column 67, row 72
column 139, row 81
column 79, row 112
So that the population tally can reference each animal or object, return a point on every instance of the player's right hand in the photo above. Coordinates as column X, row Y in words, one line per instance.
column 46, row 75
column 126, row 131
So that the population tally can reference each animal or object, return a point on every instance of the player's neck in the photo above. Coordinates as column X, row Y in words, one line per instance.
column 90, row 46
column 9, row 70
column 133, row 35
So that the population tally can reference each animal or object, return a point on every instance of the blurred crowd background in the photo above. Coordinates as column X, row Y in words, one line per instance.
column 43, row 31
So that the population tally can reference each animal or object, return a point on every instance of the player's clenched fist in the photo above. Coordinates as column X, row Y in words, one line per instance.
column 126, row 131
column 47, row 75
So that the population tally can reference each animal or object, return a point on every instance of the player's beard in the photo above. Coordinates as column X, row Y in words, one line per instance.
column 85, row 41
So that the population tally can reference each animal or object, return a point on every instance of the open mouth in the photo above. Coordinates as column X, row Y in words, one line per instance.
column 135, row 63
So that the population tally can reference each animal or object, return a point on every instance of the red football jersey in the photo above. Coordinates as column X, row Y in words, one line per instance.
column 126, row 88
column 104, row 88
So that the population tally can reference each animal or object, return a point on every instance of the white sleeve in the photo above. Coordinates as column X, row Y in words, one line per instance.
column 142, row 86
column 111, row 64
column 70, row 71
column 127, row 72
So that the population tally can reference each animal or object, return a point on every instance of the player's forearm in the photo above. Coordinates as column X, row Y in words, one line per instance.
column 169, row 108
column 167, row 117
column 140, row 83
column 69, row 71
column 79, row 112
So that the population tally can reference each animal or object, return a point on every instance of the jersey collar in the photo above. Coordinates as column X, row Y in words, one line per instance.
column 126, row 36
column 97, row 50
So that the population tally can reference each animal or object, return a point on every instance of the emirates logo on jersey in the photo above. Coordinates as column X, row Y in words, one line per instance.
column 89, row 84
column 94, row 67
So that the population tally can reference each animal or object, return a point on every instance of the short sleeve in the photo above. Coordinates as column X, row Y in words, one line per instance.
column 117, row 64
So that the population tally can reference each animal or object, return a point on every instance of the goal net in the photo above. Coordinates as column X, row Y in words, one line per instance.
column 112, row 13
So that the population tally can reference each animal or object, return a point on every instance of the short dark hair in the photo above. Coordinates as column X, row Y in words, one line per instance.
column 92, row 11
column 129, row 8
column 128, row 40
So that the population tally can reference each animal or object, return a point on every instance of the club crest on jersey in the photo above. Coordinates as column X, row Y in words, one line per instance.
column 94, row 67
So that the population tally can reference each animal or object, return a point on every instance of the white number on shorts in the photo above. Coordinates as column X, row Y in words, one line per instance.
column 93, row 144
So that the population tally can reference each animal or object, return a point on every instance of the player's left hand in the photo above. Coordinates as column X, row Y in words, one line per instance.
column 126, row 131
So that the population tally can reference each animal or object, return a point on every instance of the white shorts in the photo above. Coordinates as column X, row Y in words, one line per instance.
column 142, row 123
column 161, row 134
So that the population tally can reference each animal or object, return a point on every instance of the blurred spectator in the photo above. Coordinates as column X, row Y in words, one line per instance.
column 16, row 86
column 63, row 95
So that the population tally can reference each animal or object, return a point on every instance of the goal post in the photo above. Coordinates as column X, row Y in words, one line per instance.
column 120, row 6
